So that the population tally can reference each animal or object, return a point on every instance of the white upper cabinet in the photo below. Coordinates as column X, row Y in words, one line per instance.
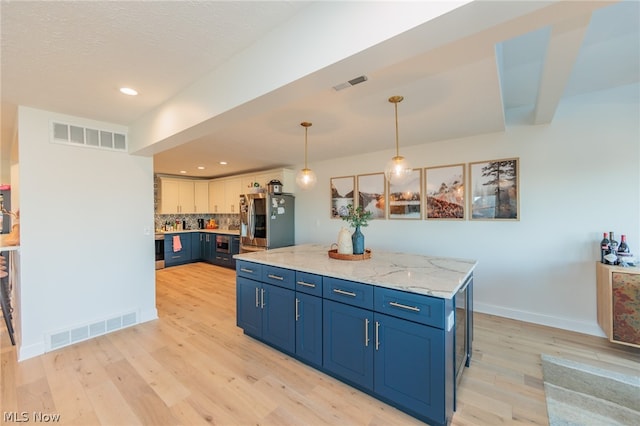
column 232, row 191
column 224, row 195
column 201, row 194
column 176, row 196
column 216, row 196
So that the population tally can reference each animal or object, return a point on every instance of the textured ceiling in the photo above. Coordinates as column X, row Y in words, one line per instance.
column 460, row 74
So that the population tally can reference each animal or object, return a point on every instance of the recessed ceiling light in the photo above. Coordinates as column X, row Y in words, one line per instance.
column 200, row 167
column 184, row 172
column 224, row 163
column 128, row 91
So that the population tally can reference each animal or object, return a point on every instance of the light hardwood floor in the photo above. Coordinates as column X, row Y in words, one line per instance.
column 194, row 366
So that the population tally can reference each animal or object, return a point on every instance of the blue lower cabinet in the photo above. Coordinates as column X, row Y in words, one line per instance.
column 174, row 256
column 309, row 328
column 410, row 366
column 347, row 343
column 248, row 306
column 278, row 319
column 266, row 312
column 196, row 246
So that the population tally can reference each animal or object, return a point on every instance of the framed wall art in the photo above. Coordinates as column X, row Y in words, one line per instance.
column 405, row 200
column 495, row 189
column 371, row 194
column 342, row 190
column 445, row 192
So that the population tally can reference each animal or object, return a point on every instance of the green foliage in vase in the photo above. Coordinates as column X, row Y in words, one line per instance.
column 357, row 216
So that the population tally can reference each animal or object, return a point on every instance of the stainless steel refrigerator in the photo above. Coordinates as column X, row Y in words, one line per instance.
column 266, row 221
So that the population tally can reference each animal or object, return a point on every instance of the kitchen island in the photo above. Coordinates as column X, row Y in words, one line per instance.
column 8, row 284
column 397, row 326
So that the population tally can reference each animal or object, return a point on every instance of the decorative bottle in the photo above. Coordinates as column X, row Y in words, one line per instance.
column 357, row 240
column 623, row 247
column 612, row 256
column 604, row 246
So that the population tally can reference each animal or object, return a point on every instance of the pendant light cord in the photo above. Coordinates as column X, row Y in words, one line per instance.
column 394, row 100
column 397, row 143
column 306, row 126
column 306, row 130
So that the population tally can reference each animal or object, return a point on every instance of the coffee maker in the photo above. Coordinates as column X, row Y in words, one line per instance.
column 200, row 223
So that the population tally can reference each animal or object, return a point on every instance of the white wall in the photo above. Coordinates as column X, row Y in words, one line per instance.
column 87, row 249
column 578, row 178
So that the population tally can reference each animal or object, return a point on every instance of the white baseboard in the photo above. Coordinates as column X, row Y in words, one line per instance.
column 148, row 315
column 591, row 328
column 30, row 351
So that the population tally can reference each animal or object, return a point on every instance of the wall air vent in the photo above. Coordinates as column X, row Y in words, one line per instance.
column 350, row 83
column 87, row 331
column 70, row 134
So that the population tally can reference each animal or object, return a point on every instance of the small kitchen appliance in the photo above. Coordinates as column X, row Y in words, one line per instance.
column 200, row 223
column 274, row 187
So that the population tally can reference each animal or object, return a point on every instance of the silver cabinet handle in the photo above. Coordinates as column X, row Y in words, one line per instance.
column 306, row 284
column 400, row 305
column 346, row 293
column 366, row 332
column 275, row 277
column 377, row 335
column 297, row 310
column 262, row 297
column 257, row 302
column 247, row 270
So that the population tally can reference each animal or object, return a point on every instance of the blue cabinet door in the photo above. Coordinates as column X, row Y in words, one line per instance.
column 278, row 318
column 172, row 256
column 309, row 328
column 348, row 342
column 249, row 306
column 410, row 365
column 196, row 246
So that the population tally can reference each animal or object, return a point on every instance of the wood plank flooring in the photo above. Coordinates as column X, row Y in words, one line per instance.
column 194, row 366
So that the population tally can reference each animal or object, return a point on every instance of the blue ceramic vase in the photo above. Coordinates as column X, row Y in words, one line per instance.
column 358, row 241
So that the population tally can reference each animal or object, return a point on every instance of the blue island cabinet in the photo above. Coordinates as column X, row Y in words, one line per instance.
column 266, row 311
column 309, row 318
column 395, row 345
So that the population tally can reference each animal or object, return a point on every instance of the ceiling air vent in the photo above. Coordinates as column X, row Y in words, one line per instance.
column 70, row 134
column 351, row 82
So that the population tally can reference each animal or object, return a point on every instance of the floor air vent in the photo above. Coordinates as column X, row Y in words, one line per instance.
column 70, row 134
column 78, row 334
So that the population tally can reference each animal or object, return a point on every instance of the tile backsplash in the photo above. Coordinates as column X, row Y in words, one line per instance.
column 224, row 221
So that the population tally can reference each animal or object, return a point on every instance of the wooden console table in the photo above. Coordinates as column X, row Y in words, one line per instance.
column 618, row 294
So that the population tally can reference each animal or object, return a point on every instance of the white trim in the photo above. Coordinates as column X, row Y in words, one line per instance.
column 591, row 328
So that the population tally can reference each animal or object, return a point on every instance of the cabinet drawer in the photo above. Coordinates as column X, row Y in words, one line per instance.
column 249, row 269
column 279, row 276
column 309, row 283
column 413, row 307
column 349, row 292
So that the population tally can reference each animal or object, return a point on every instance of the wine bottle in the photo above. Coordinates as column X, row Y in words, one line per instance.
column 614, row 249
column 604, row 246
column 623, row 247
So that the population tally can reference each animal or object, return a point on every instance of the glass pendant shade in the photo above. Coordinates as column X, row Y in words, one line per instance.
column 306, row 178
column 398, row 170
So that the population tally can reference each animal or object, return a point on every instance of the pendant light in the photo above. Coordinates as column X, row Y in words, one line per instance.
column 306, row 178
column 398, row 169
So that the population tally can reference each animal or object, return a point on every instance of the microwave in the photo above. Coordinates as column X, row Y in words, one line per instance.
column 223, row 243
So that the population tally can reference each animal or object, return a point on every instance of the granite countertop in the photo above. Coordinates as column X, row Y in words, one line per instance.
column 434, row 276
column 210, row 231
